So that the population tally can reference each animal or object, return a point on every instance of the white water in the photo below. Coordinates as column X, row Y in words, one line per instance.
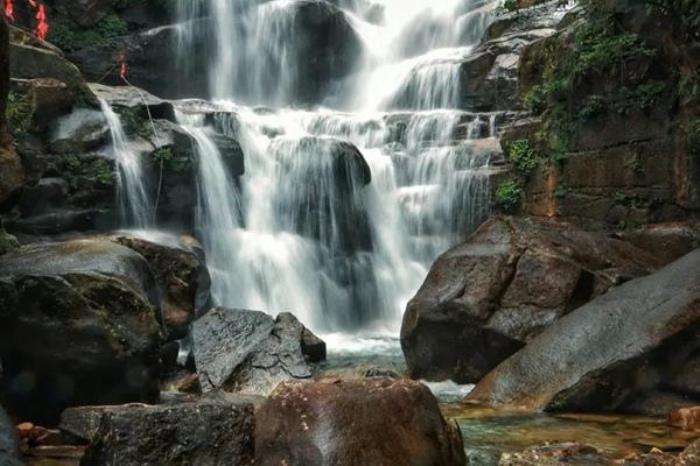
column 135, row 206
column 301, row 231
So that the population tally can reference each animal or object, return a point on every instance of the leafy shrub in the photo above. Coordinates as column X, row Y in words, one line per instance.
column 509, row 195
column 523, row 157
column 19, row 111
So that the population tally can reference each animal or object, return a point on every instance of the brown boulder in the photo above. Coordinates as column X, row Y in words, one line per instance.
column 382, row 422
column 484, row 299
column 685, row 418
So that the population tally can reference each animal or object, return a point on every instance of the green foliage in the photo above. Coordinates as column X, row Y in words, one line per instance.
column 561, row 190
column 19, row 111
column 134, row 123
column 511, row 5
column 634, row 163
column 509, row 195
column 70, row 37
column 599, row 48
column 87, row 169
column 166, row 157
column 523, row 157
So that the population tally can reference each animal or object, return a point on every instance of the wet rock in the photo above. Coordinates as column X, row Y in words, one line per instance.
column 153, row 62
column 248, row 351
column 685, row 418
column 609, row 353
column 211, row 431
column 666, row 241
column 360, row 422
column 555, row 454
column 485, row 299
column 81, row 131
column 182, row 277
column 7, row 243
column 312, row 346
column 9, row 443
column 490, row 74
column 77, row 326
column 133, row 98
column 335, row 172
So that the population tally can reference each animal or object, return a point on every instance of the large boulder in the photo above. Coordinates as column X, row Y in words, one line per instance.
column 9, row 443
column 32, row 58
column 248, row 351
column 78, row 325
column 208, row 432
column 373, row 421
column 619, row 352
column 484, row 299
column 182, row 277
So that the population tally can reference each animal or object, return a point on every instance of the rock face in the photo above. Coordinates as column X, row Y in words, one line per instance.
column 77, row 326
column 182, row 277
column 209, row 432
column 11, row 170
column 484, row 299
column 361, row 422
column 248, row 351
column 9, row 443
column 615, row 353
column 36, row 59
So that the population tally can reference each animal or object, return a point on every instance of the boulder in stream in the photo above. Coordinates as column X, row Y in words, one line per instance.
column 624, row 351
column 78, row 325
column 248, row 351
column 356, row 422
column 485, row 299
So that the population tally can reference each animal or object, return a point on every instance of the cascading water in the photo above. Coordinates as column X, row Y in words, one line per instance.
column 135, row 207
column 340, row 212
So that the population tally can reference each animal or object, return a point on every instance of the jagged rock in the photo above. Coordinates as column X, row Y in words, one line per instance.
column 182, row 277
column 77, row 326
column 609, row 353
column 484, row 299
column 248, row 351
column 9, row 443
column 359, row 422
column 209, row 432
column 131, row 97
column 553, row 455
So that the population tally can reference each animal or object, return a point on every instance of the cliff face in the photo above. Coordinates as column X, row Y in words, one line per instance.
column 616, row 117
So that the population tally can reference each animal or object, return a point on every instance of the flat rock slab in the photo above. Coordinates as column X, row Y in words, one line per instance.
column 610, row 352
column 209, row 432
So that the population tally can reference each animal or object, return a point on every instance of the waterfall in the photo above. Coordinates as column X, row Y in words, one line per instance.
column 344, row 205
column 135, row 205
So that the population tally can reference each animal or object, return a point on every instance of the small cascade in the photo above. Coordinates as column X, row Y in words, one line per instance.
column 135, row 205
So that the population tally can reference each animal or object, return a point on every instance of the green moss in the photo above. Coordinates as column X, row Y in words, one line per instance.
column 70, row 37
column 80, row 170
column 19, row 111
column 523, row 157
column 509, row 195
column 166, row 157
